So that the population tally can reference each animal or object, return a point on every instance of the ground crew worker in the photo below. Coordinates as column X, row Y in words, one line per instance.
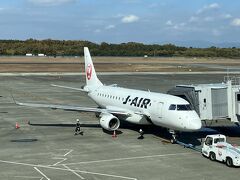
column 141, row 132
column 78, row 128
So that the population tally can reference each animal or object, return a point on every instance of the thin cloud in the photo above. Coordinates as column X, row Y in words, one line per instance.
column 213, row 6
column 97, row 30
column 111, row 26
column 49, row 2
column 236, row 22
column 209, row 19
column 208, row 7
column 169, row 23
column 179, row 26
column 226, row 16
column 130, row 18
column 193, row 19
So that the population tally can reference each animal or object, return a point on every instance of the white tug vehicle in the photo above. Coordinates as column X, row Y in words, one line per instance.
column 216, row 148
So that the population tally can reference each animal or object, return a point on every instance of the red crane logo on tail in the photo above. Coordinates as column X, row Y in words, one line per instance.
column 89, row 71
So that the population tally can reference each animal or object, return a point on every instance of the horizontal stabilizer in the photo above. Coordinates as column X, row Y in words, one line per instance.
column 67, row 87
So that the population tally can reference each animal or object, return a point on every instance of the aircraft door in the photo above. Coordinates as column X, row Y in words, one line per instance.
column 158, row 109
column 238, row 103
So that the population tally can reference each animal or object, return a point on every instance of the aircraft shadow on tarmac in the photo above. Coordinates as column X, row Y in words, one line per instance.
column 194, row 138
column 64, row 125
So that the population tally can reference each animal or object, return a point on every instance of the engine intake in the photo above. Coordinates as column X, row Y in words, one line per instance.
column 109, row 122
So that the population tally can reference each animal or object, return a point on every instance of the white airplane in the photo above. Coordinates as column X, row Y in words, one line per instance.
column 134, row 106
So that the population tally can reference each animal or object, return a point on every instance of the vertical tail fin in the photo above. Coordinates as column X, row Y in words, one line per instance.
column 91, row 76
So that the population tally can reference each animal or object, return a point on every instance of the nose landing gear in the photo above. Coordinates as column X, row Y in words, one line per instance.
column 174, row 136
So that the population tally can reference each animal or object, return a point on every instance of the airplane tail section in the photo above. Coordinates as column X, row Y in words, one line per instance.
column 91, row 76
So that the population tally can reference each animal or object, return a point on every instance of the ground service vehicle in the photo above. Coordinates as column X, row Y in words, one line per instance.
column 216, row 148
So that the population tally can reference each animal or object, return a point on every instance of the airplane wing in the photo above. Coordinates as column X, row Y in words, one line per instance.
column 74, row 108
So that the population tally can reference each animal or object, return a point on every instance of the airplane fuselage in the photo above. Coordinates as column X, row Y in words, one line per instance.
column 155, row 107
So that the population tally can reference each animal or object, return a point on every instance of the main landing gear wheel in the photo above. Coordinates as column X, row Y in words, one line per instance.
column 173, row 141
column 174, row 136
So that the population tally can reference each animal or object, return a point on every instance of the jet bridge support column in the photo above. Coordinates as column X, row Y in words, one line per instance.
column 231, row 102
column 229, row 95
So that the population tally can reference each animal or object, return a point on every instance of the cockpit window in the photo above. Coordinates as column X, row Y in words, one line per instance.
column 184, row 107
column 172, row 107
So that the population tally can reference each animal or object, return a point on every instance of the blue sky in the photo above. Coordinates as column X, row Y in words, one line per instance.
column 118, row 21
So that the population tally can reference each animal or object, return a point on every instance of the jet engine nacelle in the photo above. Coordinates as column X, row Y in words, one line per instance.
column 109, row 122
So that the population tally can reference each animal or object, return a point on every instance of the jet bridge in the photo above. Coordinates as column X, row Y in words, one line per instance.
column 213, row 101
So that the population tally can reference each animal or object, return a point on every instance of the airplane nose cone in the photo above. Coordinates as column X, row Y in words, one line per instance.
column 195, row 124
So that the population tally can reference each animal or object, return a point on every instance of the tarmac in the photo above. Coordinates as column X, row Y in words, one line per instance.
column 45, row 148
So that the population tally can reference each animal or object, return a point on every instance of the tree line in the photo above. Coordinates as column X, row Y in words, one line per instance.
column 75, row 48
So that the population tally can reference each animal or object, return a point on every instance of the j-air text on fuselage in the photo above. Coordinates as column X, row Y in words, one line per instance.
column 137, row 102
column 135, row 106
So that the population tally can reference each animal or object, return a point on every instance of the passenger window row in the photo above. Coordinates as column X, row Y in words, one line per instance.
column 110, row 96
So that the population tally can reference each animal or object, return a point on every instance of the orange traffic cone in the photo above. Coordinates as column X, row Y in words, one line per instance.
column 114, row 134
column 17, row 125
